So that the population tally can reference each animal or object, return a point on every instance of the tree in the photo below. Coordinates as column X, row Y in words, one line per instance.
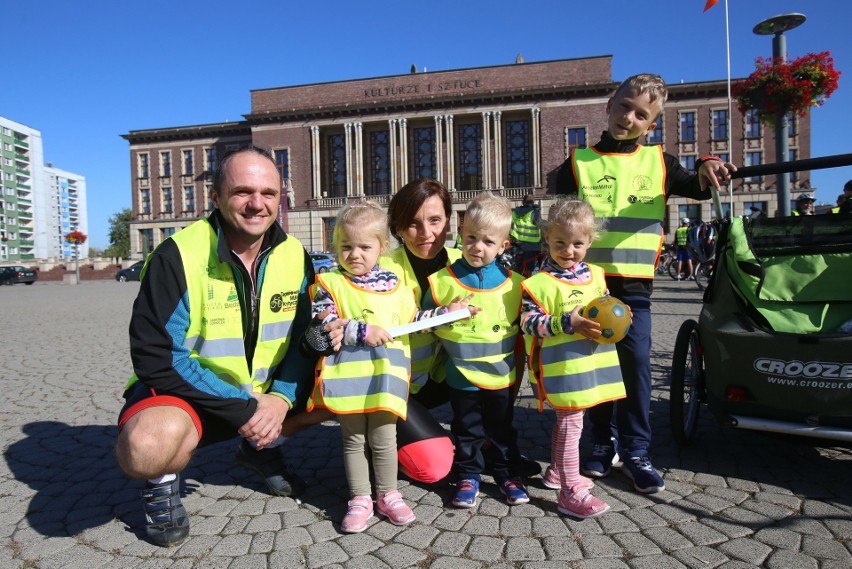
column 119, row 234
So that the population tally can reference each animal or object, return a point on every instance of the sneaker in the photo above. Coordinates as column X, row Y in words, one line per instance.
column 393, row 507
column 580, row 504
column 641, row 471
column 690, row 278
column 551, row 480
column 529, row 467
column 270, row 464
column 358, row 513
column 467, row 489
column 514, row 491
column 167, row 523
column 604, row 457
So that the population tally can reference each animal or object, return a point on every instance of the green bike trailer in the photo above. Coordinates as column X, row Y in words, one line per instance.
column 772, row 347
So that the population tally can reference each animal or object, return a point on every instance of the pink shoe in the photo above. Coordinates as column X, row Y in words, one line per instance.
column 393, row 507
column 580, row 505
column 359, row 512
column 551, row 480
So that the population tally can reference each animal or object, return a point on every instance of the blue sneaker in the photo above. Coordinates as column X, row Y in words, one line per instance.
column 514, row 491
column 639, row 469
column 604, row 457
column 467, row 489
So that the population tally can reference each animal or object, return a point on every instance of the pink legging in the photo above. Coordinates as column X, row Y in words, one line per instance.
column 565, row 448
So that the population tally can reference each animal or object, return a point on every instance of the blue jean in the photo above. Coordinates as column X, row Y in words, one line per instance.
column 628, row 419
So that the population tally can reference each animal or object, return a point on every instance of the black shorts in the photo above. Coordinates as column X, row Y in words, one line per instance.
column 211, row 429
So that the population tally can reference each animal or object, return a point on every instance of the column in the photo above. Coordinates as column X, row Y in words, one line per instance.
column 486, row 150
column 403, row 139
column 359, row 159
column 536, row 151
column 439, row 148
column 451, row 162
column 393, row 158
column 498, row 149
column 315, row 158
column 348, row 152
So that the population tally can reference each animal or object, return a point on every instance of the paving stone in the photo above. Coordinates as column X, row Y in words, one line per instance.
column 482, row 525
column 746, row 550
column 636, row 544
column 524, row 549
column 784, row 559
column 485, row 548
column 655, row 562
column 700, row 557
column 825, row 549
column 701, row 534
column 398, row 555
column 450, row 544
column 667, row 539
column 454, row 563
column 366, row 562
column 616, row 523
column 322, row 554
column 599, row 546
column 516, row 526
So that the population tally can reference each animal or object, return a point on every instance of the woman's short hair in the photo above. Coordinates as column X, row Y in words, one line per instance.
column 410, row 198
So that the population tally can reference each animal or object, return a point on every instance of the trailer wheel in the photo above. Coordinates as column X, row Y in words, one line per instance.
column 687, row 383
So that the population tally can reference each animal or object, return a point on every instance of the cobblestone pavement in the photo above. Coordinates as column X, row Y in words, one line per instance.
column 735, row 499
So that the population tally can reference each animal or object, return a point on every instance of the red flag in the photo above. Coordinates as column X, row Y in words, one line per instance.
column 710, row 4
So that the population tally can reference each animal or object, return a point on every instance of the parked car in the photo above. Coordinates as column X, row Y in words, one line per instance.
column 131, row 273
column 323, row 262
column 17, row 274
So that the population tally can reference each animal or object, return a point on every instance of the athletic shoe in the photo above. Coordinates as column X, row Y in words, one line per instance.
column 641, row 471
column 514, row 491
column 358, row 513
column 604, row 457
column 551, row 480
column 580, row 504
column 690, row 278
column 270, row 464
column 467, row 489
column 393, row 507
column 167, row 523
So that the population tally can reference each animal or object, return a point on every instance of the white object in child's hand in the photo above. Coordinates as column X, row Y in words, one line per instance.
column 445, row 318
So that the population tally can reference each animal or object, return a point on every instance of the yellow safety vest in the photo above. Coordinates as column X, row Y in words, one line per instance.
column 483, row 346
column 427, row 356
column 627, row 191
column 523, row 229
column 570, row 371
column 215, row 334
column 364, row 379
column 681, row 235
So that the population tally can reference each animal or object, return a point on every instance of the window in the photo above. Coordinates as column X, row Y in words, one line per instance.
column 752, row 124
column 720, row 125
column 167, row 200
column 689, row 211
column 792, row 124
column 470, row 157
column 378, row 183
column 423, row 153
column 168, row 232
column 187, row 163
column 7, row 161
column 282, row 162
column 754, row 208
column 518, row 163
column 687, row 127
column 6, row 131
column 146, row 240
column 336, row 166
column 208, row 191
column 793, row 154
column 165, row 164
column 189, row 198
column 753, row 159
column 7, row 146
column 142, row 165
column 723, row 156
column 210, row 159
column 574, row 138
column 145, row 201
column 656, row 135
column 688, row 162
column 327, row 232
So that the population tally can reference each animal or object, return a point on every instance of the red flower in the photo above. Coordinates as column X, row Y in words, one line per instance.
column 76, row 237
column 777, row 88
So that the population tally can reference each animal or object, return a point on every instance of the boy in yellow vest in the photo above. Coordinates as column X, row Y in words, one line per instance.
column 481, row 363
column 627, row 185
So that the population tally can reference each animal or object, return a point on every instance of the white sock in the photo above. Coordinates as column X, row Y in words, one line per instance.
column 163, row 479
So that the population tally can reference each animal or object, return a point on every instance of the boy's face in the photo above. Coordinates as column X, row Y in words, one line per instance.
column 631, row 114
column 481, row 245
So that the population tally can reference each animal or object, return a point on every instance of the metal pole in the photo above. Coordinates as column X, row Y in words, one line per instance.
column 782, row 148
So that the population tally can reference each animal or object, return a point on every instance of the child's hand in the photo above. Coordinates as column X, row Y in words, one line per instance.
column 715, row 172
column 458, row 303
column 377, row 336
column 583, row 326
column 335, row 330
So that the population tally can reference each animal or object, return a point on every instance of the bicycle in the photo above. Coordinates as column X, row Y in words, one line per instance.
column 667, row 257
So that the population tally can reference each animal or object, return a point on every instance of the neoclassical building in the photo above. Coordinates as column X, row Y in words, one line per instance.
column 504, row 128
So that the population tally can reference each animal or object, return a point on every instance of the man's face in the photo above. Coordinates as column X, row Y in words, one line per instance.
column 251, row 190
column 806, row 206
column 631, row 114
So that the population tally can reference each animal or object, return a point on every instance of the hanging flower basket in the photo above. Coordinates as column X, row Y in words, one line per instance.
column 777, row 88
column 75, row 237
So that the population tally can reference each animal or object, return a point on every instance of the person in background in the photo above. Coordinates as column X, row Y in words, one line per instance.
column 525, row 235
column 681, row 250
column 804, row 205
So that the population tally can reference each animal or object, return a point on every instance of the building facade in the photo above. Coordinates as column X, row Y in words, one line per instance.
column 39, row 204
column 504, row 128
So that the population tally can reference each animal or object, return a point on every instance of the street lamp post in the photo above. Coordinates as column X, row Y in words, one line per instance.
column 777, row 25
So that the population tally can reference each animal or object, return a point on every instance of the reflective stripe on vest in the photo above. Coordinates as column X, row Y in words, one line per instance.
column 215, row 334
column 427, row 355
column 482, row 347
column 627, row 192
column 569, row 371
column 363, row 379
column 523, row 228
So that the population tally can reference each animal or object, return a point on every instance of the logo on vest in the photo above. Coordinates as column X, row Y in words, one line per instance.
column 644, row 200
column 284, row 301
column 607, row 178
column 642, row 183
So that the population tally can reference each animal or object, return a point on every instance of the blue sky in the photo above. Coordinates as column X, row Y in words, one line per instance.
column 85, row 72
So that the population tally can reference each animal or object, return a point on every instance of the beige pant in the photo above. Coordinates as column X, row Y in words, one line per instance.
column 378, row 430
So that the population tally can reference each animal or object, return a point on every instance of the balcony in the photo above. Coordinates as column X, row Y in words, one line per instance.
column 21, row 142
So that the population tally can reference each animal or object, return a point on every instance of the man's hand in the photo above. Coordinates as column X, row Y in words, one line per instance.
column 715, row 172
column 265, row 425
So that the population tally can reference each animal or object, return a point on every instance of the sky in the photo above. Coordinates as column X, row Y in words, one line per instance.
column 86, row 72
